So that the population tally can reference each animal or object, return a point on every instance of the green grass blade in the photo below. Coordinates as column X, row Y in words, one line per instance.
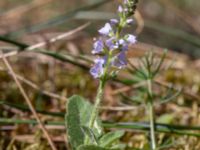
column 14, row 42
column 162, row 128
column 179, row 130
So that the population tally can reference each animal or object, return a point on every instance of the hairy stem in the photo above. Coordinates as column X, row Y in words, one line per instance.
column 95, row 110
column 97, row 104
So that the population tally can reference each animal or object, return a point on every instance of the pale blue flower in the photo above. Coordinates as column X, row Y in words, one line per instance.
column 123, row 45
column 97, row 70
column 122, row 42
column 131, row 39
column 106, row 29
column 111, row 44
column 120, row 61
column 98, row 47
column 129, row 21
column 120, row 9
column 114, row 21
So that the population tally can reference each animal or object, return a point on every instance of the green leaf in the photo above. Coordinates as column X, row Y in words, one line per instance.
column 109, row 138
column 73, row 122
column 85, row 109
column 93, row 147
column 78, row 115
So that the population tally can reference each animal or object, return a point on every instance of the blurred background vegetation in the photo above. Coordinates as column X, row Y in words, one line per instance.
column 171, row 24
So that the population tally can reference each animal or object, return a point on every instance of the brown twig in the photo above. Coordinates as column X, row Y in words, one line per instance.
column 121, row 108
column 29, row 103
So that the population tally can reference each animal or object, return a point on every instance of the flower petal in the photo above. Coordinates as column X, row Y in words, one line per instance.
column 97, row 70
column 106, row 29
column 114, row 21
column 120, row 9
column 98, row 47
column 120, row 60
column 131, row 39
column 111, row 44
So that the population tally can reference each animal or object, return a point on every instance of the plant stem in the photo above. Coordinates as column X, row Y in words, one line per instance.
column 152, row 126
column 95, row 110
column 151, row 115
column 97, row 103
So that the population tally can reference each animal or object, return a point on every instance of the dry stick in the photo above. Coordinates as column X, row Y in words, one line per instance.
column 29, row 103
column 121, row 108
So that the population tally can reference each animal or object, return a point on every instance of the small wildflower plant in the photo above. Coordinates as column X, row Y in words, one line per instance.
column 82, row 121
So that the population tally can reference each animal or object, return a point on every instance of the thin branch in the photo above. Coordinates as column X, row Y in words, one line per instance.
column 29, row 103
